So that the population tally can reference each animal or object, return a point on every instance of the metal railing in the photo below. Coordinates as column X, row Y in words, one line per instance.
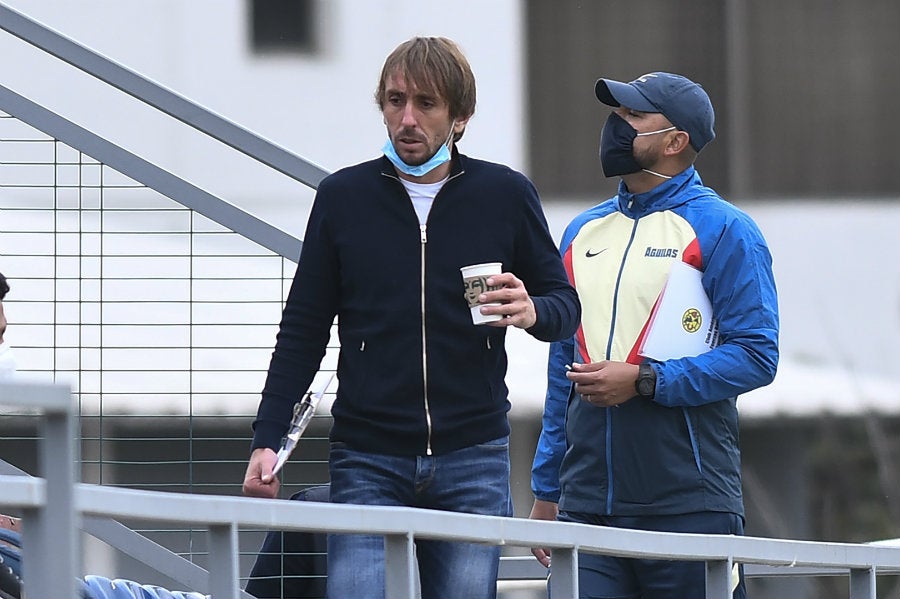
column 49, row 538
column 54, row 505
column 165, row 100
column 161, row 319
column 155, row 300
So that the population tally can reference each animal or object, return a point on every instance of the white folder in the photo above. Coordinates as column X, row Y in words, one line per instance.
column 682, row 322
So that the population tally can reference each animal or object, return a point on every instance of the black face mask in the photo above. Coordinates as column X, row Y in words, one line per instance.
column 617, row 147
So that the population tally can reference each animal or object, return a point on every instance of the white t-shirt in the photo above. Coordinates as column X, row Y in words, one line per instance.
column 422, row 196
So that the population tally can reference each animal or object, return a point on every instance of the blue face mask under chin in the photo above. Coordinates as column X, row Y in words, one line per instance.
column 420, row 170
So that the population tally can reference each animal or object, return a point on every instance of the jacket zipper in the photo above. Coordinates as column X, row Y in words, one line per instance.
column 423, row 238
column 610, row 491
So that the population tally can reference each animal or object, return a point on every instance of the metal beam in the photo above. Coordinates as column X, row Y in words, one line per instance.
column 161, row 98
column 146, row 173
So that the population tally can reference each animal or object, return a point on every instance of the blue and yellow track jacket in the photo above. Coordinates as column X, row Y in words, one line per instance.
column 678, row 453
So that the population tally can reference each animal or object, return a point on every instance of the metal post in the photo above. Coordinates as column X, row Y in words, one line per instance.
column 862, row 583
column 400, row 566
column 223, row 561
column 718, row 579
column 49, row 532
column 563, row 578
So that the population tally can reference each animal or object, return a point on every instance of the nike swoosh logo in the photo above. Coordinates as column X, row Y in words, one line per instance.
column 589, row 254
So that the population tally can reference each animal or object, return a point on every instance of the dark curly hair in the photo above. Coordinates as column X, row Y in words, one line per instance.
column 4, row 287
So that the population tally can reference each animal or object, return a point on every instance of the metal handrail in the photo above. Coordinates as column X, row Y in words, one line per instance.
column 149, row 174
column 54, row 505
column 401, row 526
column 48, row 504
column 161, row 98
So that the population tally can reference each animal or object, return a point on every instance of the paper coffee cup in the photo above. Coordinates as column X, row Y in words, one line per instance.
column 475, row 278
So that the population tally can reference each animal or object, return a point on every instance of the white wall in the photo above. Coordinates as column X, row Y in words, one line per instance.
column 839, row 288
column 320, row 108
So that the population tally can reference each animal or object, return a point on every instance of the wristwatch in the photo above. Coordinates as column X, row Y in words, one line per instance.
column 645, row 385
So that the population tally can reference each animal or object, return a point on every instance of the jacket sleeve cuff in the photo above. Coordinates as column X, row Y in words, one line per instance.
column 557, row 317
column 266, row 434
column 540, row 329
column 552, row 497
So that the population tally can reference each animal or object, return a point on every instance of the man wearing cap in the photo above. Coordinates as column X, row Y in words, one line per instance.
column 652, row 444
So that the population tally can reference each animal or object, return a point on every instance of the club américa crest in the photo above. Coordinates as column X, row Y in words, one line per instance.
column 691, row 320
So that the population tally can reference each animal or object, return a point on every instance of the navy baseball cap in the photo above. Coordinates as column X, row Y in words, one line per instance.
column 679, row 99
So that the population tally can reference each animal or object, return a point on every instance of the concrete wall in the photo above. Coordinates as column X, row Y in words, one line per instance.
column 803, row 89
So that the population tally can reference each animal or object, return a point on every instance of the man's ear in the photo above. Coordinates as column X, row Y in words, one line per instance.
column 678, row 142
column 460, row 124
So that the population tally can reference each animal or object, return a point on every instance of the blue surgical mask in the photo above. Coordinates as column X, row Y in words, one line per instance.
column 617, row 147
column 439, row 158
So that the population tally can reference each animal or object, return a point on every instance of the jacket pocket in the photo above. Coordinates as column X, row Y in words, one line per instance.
column 657, row 465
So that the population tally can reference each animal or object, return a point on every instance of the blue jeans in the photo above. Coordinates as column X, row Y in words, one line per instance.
column 608, row 577
column 472, row 480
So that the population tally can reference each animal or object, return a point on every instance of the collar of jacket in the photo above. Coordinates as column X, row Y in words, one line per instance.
column 667, row 194
column 457, row 164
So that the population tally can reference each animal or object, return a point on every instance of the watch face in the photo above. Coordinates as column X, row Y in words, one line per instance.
column 645, row 387
column 646, row 382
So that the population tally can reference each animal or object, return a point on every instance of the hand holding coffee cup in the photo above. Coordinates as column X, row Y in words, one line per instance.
column 475, row 278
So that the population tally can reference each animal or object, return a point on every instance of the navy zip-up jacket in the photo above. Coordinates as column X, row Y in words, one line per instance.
column 415, row 375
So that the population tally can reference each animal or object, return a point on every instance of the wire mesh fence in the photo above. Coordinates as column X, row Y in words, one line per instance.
column 160, row 320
